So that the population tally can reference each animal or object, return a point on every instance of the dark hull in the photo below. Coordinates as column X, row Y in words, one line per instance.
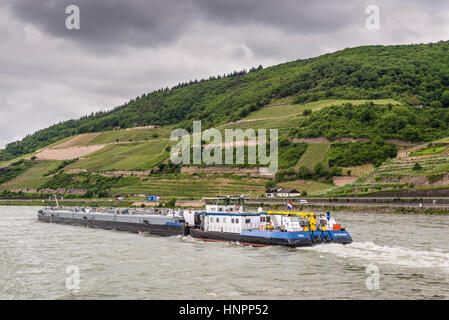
column 157, row 229
column 249, row 240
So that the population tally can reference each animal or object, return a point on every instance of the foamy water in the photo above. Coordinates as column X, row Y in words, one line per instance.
column 410, row 252
column 395, row 256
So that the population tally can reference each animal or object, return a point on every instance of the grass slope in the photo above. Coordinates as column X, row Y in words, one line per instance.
column 130, row 135
column 286, row 108
column 33, row 178
column 128, row 156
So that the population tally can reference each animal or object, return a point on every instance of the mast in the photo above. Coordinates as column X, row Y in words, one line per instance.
column 56, row 199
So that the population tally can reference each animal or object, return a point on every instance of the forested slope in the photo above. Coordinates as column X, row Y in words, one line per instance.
column 415, row 74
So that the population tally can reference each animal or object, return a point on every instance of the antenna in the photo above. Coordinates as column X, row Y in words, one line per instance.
column 56, row 199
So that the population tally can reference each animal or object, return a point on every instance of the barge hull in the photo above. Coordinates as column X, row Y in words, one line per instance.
column 250, row 240
column 156, row 229
column 264, row 241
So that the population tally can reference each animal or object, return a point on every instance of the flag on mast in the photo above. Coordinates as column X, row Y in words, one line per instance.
column 289, row 205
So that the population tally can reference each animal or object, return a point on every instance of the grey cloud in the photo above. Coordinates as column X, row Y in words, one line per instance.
column 304, row 17
column 109, row 24
column 112, row 24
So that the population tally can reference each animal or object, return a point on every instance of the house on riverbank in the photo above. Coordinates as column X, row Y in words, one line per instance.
column 281, row 192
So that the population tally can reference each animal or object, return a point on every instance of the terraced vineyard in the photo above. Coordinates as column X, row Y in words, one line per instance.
column 282, row 124
column 285, row 107
column 189, row 186
column 315, row 153
column 401, row 173
column 359, row 170
column 310, row 186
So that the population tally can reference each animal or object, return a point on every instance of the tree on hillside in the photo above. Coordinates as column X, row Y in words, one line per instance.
column 307, row 112
column 445, row 98
column 436, row 104
column 304, row 173
column 417, row 166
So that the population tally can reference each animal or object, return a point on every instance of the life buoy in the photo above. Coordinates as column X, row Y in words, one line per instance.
column 237, row 207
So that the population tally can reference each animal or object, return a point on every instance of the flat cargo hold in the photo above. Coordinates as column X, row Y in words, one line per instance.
column 159, row 224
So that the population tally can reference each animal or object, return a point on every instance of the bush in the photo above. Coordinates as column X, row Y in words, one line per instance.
column 304, row 173
column 102, row 194
column 417, row 166
column 171, row 203
column 307, row 112
column 349, row 154
column 435, row 177
column 270, row 184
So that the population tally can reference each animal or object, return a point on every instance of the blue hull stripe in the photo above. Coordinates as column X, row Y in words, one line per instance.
column 296, row 234
column 168, row 223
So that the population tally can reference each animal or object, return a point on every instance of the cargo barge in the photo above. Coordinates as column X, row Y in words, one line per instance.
column 162, row 223
column 224, row 219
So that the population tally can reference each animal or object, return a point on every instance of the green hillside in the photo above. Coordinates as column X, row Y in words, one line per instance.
column 407, row 73
column 341, row 117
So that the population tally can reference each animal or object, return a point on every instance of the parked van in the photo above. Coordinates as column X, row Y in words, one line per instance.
column 303, row 201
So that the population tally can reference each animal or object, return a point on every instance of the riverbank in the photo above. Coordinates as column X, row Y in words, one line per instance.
column 67, row 203
column 380, row 209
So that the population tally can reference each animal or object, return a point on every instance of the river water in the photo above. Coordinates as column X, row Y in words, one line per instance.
column 408, row 255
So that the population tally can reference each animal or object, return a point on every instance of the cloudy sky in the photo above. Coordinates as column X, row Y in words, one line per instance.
column 125, row 48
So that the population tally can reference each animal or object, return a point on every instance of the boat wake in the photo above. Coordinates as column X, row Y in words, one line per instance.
column 373, row 253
